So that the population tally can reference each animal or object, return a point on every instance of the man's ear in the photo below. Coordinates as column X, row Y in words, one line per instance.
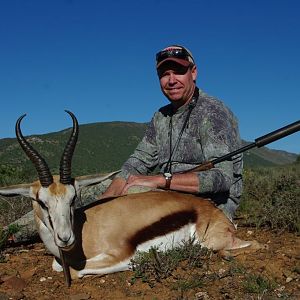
column 194, row 72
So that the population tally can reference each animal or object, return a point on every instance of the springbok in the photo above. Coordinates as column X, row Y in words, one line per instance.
column 104, row 236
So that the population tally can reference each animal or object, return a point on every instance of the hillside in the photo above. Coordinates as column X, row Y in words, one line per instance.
column 103, row 147
column 265, row 156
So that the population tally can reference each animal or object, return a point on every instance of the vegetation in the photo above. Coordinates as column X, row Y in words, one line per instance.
column 258, row 284
column 11, row 175
column 155, row 265
column 4, row 237
column 14, row 207
column 271, row 198
column 182, row 268
column 190, row 267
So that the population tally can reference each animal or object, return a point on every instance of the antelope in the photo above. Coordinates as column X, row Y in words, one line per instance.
column 104, row 236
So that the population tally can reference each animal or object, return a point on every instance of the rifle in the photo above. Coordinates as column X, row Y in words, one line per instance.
column 259, row 142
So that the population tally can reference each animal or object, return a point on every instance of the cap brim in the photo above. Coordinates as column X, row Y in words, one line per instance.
column 179, row 61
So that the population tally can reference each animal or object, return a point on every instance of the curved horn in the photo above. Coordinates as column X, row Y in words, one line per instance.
column 40, row 164
column 66, row 159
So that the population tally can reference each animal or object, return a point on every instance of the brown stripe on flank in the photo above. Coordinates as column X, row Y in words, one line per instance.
column 164, row 226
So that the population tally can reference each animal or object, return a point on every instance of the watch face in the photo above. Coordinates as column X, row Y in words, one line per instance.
column 168, row 175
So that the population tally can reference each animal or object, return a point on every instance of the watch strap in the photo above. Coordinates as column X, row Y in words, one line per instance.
column 168, row 183
column 168, row 178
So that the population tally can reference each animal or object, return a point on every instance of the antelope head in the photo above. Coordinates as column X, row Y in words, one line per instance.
column 54, row 196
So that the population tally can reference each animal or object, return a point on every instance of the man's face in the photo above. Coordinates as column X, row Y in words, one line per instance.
column 177, row 82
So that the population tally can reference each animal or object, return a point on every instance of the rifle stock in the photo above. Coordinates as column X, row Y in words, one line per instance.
column 259, row 142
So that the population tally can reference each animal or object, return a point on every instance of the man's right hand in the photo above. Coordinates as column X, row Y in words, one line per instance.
column 114, row 189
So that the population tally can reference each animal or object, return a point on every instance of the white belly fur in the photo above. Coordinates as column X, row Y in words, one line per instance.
column 162, row 243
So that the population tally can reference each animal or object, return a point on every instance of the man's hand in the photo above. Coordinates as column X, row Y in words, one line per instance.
column 152, row 181
column 114, row 189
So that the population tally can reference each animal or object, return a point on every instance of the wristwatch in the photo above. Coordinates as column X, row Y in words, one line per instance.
column 168, row 177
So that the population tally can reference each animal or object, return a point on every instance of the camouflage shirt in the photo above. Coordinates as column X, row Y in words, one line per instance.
column 211, row 131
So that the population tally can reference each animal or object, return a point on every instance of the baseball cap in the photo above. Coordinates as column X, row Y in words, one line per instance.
column 176, row 53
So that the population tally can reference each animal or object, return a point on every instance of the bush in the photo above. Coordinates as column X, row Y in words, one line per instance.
column 155, row 265
column 11, row 175
column 12, row 208
column 4, row 236
column 271, row 198
column 257, row 284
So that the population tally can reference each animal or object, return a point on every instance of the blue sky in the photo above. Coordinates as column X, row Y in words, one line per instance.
column 96, row 58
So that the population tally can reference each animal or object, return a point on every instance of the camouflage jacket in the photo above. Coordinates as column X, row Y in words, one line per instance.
column 211, row 131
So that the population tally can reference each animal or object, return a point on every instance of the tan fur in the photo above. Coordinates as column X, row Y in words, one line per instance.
column 57, row 188
column 114, row 223
column 35, row 188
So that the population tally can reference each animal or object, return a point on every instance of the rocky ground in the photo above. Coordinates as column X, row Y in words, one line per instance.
column 25, row 273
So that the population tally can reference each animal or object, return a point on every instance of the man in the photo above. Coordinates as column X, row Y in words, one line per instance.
column 192, row 129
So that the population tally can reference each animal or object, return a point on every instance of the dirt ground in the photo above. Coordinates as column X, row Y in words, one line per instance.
column 274, row 273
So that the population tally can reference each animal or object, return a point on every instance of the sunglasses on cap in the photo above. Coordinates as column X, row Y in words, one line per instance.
column 172, row 52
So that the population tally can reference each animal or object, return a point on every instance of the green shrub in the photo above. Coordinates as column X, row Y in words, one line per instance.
column 257, row 284
column 4, row 236
column 6, row 233
column 11, row 175
column 271, row 198
column 155, row 265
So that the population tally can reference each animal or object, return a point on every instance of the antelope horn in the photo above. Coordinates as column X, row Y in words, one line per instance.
column 66, row 159
column 40, row 164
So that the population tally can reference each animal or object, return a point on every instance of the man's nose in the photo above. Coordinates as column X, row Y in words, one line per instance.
column 172, row 78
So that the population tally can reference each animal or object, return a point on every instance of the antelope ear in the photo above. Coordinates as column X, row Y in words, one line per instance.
column 16, row 190
column 87, row 180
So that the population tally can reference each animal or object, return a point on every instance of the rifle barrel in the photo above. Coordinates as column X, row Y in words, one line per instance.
column 277, row 134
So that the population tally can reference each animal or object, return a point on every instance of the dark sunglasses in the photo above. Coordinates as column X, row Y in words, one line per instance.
column 177, row 53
